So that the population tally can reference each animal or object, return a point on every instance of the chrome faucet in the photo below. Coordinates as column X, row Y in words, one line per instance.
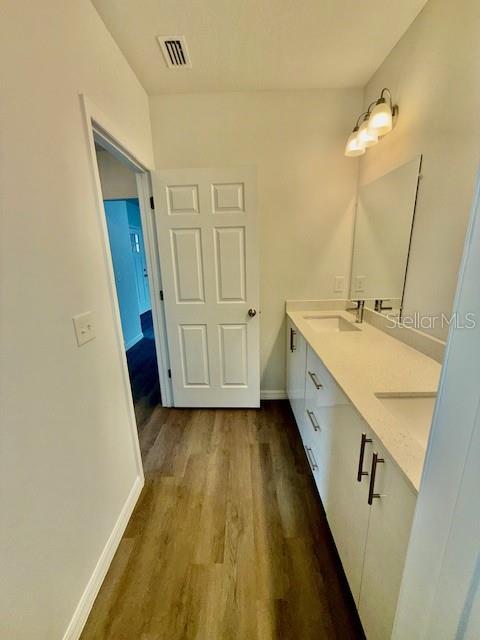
column 379, row 306
column 360, row 309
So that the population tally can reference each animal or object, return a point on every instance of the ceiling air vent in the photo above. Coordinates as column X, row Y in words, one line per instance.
column 175, row 52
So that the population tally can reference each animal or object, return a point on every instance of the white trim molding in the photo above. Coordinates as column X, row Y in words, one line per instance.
column 85, row 605
column 131, row 343
column 115, row 139
column 273, row 394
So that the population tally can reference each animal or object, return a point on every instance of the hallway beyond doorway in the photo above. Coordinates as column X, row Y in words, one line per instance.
column 143, row 373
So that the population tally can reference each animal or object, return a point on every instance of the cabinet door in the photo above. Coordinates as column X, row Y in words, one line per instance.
column 296, row 363
column 346, row 497
column 387, row 540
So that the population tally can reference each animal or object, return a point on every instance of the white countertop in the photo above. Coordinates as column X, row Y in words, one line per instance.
column 369, row 361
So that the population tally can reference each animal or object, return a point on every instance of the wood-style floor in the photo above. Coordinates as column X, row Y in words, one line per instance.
column 228, row 540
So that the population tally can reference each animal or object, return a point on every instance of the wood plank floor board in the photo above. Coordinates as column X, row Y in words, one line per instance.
column 228, row 541
column 213, row 517
column 270, row 547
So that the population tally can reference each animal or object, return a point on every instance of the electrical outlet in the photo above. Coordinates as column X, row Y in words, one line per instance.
column 84, row 329
column 339, row 284
column 359, row 283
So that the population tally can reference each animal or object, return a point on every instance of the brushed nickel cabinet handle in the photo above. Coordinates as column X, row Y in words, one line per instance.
column 315, row 380
column 363, row 442
column 313, row 420
column 311, row 459
column 293, row 346
column 371, row 491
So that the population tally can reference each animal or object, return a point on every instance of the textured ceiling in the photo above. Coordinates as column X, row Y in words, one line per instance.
column 239, row 45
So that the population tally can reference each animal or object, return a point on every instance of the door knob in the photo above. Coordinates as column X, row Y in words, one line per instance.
column 252, row 313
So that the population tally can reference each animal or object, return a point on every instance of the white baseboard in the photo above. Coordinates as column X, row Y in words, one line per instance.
column 273, row 394
column 131, row 343
column 80, row 615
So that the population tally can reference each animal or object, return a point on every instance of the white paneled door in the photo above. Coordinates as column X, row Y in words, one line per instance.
column 207, row 230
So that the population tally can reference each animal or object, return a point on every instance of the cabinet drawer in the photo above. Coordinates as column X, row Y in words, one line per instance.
column 321, row 389
column 309, row 426
column 320, row 417
column 319, row 440
column 318, row 424
column 314, row 461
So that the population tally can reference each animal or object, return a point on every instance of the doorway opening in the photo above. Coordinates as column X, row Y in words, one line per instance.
column 126, row 239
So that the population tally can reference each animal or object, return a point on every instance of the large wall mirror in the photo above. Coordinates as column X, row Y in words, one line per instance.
column 383, row 229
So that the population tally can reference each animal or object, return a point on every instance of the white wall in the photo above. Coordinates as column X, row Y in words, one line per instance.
column 118, row 181
column 306, row 186
column 433, row 73
column 125, row 278
column 67, row 460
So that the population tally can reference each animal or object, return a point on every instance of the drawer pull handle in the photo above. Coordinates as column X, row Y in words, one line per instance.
column 363, row 442
column 293, row 346
column 371, row 491
column 311, row 459
column 313, row 420
column 315, row 380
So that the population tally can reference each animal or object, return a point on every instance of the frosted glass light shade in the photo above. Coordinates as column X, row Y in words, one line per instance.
column 366, row 137
column 380, row 121
column 354, row 147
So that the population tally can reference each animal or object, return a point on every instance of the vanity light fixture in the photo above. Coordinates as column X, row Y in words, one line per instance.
column 376, row 121
column 354, row 146
column 365, row 135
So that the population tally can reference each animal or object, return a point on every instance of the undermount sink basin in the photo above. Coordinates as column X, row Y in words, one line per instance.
column 330, row 323
column 414, row 410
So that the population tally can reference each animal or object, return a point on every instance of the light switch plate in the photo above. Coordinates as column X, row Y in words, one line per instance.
column 84, row 328
column 339, row 284
column 359, row 283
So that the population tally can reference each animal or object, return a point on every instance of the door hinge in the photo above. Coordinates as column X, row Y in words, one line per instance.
column 152, row 203
column 161, row 294
column 169, row 373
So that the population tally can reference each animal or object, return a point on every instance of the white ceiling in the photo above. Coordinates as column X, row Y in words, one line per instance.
column 238, row 45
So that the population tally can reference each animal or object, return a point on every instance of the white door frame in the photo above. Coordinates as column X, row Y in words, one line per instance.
column 99, row 128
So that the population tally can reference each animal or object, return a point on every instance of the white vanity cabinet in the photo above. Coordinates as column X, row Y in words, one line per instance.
column 371, row 539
